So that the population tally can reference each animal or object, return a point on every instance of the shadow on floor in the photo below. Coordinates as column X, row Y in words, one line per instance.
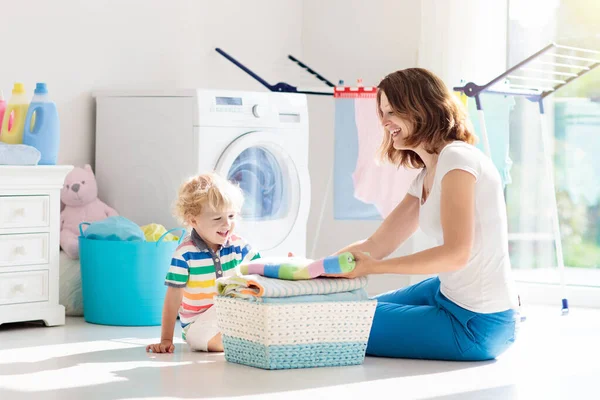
column 13, row 326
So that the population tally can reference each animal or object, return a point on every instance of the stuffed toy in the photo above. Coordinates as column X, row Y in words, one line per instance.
column 81, row 204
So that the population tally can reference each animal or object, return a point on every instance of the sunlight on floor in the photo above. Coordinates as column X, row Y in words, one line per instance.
column 82, row 374
column 78, row 376
column 554, row 357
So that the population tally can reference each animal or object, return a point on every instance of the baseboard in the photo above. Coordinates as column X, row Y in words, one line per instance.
column 552, row 294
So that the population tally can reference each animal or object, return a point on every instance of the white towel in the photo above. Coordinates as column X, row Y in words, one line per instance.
column 18, row 154
column 248, row 286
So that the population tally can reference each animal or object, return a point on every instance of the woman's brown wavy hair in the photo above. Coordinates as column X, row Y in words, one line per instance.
column 437, row 115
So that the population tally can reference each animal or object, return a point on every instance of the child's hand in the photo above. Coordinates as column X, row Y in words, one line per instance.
column 165, row 346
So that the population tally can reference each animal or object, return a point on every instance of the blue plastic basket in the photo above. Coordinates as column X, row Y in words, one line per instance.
column 123, row 281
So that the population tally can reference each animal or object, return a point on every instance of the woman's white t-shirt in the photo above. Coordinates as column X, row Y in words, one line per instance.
column 485, row 284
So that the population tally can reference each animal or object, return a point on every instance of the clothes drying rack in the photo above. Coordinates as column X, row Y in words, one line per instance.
column 535, row 78
column 283, row 86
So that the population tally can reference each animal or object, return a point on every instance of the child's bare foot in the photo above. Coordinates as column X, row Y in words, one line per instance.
column 216, row 343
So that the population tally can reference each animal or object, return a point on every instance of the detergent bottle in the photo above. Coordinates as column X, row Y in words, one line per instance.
column 17, row 111
column 42, row 126
column 2, row 112
column 2, row 107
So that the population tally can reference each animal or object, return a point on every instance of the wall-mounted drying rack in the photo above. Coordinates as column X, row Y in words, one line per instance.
column 329, row 90
column 535, row 78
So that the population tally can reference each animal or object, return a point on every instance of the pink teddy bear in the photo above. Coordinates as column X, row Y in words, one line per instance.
column 81, row 204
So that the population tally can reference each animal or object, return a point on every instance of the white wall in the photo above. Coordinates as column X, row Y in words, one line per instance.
column 468, row 42
column 80, row 46
column 350, row 39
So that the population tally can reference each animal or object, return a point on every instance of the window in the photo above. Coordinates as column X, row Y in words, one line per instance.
column 573, row 116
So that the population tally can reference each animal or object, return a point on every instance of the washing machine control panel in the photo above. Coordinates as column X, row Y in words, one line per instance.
column 256, row 109
column 239, row 105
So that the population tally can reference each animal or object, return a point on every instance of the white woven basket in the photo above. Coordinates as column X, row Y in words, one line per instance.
column 294, row 335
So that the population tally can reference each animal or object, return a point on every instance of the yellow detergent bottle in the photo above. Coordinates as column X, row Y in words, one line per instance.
column 16, row 109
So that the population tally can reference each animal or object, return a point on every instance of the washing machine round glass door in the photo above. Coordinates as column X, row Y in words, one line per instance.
column 266, row 172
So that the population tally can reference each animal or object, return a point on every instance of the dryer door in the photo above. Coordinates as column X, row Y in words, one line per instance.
column 266, row 172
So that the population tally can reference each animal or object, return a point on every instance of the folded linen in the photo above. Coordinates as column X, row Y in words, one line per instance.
column 19, row 154
column 251, row 286
column 353, row 295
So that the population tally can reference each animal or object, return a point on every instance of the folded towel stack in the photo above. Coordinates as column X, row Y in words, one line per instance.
column 289, row 279
column 261, row 289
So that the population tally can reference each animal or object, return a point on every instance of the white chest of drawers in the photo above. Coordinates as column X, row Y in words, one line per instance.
column 30, row 243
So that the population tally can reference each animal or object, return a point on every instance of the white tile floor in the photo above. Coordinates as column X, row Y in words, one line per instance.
column 554, row 358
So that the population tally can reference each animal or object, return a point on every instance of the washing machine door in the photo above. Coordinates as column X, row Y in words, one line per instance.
column 260, row 164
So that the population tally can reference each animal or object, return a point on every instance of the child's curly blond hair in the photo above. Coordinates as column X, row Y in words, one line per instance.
column 207, row 192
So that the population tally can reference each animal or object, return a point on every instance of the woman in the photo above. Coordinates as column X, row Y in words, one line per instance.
column 469, row 311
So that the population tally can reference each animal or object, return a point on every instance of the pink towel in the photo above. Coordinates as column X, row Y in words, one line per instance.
column 383, row 185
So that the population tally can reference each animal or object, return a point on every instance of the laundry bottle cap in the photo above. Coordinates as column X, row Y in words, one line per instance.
column 18, row 88
column 41, row 88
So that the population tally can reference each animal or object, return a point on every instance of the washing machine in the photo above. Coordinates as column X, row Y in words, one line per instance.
column 149, row 142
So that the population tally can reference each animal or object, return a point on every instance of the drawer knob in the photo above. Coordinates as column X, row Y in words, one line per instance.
column 20, row 211
column 19, row 288
column 20, row 250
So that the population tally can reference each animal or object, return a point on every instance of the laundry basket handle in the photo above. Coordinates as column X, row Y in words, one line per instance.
column 80, row 227
column 183, row 232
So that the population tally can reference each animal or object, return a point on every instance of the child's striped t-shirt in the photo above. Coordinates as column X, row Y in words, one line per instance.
column 195, row 267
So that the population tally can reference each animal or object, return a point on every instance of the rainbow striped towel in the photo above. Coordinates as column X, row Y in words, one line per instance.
column 296, row 268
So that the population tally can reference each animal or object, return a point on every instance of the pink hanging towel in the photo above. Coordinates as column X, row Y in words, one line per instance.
column 382, row 185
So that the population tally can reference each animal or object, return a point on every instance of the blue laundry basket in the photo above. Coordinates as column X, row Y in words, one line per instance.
column 123, row 281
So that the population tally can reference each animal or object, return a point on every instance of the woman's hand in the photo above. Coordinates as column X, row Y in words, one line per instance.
column 365, row 265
